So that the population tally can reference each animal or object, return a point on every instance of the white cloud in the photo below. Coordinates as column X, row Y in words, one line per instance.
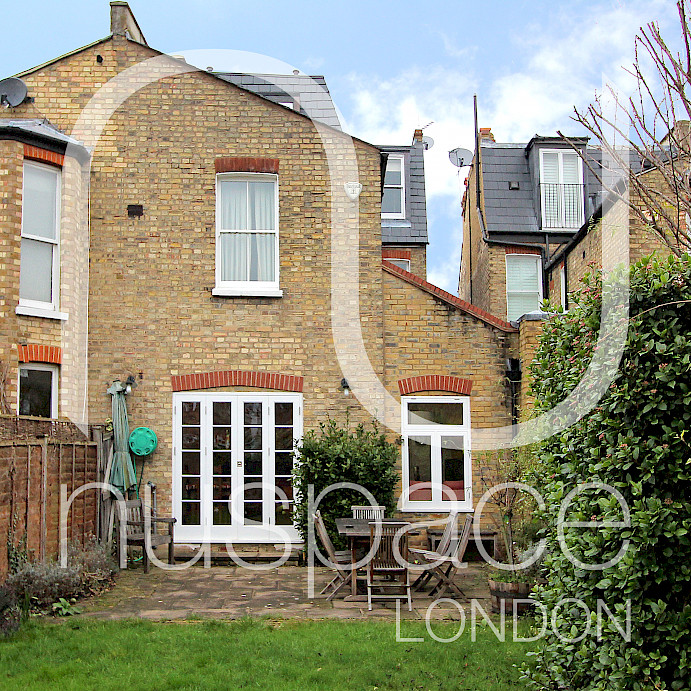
column 558, row 65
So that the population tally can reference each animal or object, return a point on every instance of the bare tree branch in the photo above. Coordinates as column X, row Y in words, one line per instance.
column 648, row 127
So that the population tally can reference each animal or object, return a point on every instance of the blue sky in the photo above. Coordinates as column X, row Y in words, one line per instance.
column 390, row 66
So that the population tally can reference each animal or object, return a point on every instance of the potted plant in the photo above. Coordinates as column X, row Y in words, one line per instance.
column 510, row 510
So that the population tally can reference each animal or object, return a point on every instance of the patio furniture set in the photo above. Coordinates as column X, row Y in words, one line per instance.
column 388, row 557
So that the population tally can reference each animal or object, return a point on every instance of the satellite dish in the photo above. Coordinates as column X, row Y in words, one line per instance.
column 461, row 157
column 427, row 143
column 12, row 92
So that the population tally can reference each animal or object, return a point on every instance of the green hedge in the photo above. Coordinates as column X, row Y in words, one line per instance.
column 334, row 454
column 637, row 440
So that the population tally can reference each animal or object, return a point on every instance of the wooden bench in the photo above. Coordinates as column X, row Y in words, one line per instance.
column 135, row 526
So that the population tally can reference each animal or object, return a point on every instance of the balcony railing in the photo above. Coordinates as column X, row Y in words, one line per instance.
column 562, row 205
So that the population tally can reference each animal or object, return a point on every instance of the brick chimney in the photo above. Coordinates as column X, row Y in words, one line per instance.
column 123, row 23
column 486, row 134
column 417, row 137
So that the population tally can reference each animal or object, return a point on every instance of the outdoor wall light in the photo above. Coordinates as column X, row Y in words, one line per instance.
column 130, row 383
column 345, row 386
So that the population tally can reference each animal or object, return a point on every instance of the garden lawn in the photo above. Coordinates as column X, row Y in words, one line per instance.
column 251, row 653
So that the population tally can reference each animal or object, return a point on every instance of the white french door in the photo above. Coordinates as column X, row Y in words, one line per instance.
column 232, row 463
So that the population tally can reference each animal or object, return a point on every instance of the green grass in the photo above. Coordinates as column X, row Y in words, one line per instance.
column 245, row 654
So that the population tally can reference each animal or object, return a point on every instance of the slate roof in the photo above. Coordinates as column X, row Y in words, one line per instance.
column 517, row 210
column 315, row 101
column 310, row 91
column 38, row 127
column 42, row 133
column 507, row 209
column 411, row 230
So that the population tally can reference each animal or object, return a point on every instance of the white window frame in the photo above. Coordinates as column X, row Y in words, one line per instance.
column 246, row 288
column 39, row 308
column 540, row 294
column 436, row 432
column 560, row 153
column 35, row 366
column 268, row 531
column 401, row 214
column 398, row 262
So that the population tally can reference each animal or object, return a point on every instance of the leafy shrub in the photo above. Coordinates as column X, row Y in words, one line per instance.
column 337, row 454
column 10, row 614
column 94, row 561
column 40, row 584
column 636, row 439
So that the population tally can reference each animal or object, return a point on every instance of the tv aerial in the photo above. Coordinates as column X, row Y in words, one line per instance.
column 461, row 157
column 12, row 92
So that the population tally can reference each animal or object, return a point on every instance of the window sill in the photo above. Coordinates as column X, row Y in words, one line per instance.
column 40, row 312
column 247, row 292
column 432, row 507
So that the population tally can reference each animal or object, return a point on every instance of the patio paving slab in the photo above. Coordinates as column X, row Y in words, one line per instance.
column 231, row 592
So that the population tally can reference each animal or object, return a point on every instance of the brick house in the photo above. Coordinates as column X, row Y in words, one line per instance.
column 533, row 225
column 523, row 202
column 214, row 234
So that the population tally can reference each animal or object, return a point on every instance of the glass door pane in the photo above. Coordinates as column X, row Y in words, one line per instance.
column 419, row 467
column 284, row 439
column 191, row 442
column 222, row 462
column 253, row 458
column 452, row 468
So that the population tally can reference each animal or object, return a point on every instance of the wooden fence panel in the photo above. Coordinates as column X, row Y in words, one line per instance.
column 31, row 472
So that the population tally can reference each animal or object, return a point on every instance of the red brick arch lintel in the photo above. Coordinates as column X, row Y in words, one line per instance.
column 33, row 352
column 435, row 382
column 260, row 380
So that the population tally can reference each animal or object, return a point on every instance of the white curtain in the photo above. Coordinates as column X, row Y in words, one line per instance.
column 233, row 204
column 247, row 205
column 261, row 206
column 262, row 256
column 39, row 208
column 522, row 284
column 36, row 270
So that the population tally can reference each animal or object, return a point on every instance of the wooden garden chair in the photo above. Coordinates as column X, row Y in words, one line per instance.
column 340, row 561
column 426, row 555
column 369, row 512
column 385, row 564
column 443, row 567
column 135, row 526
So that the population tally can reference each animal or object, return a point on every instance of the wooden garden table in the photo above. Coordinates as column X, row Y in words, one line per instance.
column 358, row 532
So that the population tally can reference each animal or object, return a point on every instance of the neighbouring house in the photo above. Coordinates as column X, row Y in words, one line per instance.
column 522, row 203
column 193, row 232
column 567, row 266
column 532, row 228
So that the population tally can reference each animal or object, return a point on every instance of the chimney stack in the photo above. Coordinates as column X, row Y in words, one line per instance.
column 123, row 23
column 417, row 137
column 486, row 134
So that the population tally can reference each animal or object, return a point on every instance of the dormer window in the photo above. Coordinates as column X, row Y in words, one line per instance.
column 393, row 200
column 561, row 189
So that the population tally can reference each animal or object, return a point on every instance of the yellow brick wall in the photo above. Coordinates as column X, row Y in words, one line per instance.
column 17, row 329
column 151, row 312
column 425, row 336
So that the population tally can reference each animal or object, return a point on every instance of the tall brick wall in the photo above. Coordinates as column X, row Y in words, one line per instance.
column 426, row 336
column 151, row 311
